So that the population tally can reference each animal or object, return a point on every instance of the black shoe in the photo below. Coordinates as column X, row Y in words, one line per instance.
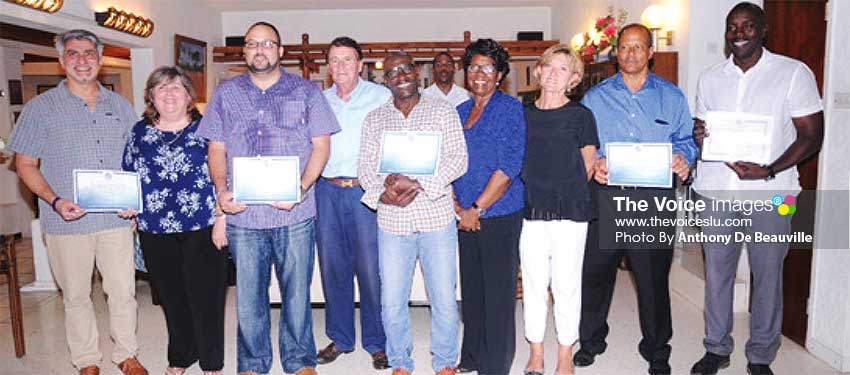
column 659, row 367
column 532, row 372
column 463, row 369
column 583, row 358
column 380, row 361
column 709, row 364
column 754, row 369
column 329, row 354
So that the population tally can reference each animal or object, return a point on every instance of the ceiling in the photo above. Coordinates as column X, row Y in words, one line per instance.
column 257, row 5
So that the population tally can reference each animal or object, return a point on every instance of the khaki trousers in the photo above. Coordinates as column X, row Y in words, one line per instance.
column 72, row 260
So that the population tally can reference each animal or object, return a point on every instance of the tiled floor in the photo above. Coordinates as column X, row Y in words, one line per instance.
column 48, row 355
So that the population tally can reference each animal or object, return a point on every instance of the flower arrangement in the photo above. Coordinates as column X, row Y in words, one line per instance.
column 605, row 32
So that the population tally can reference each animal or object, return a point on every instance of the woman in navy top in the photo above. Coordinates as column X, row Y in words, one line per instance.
column 489, row 202
column 179, row 229
column 562, row 145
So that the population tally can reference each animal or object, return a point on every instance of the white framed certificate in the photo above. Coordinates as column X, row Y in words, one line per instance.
column 266, row 179
column 411, row 153
column 98, row 190
column 639, row 164
column 736, row 136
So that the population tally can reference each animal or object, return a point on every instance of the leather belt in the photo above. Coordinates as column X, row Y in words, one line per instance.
column 343, row 182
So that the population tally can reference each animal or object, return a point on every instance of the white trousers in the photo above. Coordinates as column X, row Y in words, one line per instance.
column 551, row 255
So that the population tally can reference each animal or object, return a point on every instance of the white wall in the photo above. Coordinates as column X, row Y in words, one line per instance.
column 829, row 315
column 390, row 25
column 183, row 17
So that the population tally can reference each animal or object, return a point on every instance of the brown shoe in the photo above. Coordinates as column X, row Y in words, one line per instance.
column 247, row 373
column 380, row 361
column 400, row 371
column 131, row 366
column 306, row 371
column 90, row 370
column 329, row 354
column 447, row 371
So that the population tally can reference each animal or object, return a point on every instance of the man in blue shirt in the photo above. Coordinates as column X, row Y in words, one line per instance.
column 633, row 106
column 347, row 230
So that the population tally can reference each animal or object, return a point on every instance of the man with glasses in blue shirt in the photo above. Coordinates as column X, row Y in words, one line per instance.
column 269, row 112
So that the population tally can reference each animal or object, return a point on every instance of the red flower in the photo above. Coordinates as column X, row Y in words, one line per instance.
column 610, row 30
column 600, row 23
column 590, row 50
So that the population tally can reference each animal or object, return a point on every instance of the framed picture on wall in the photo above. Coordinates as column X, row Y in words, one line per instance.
column 191, row 55
column 16, row 92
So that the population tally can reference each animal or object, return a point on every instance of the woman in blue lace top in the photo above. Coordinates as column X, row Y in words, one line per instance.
column 181, row 234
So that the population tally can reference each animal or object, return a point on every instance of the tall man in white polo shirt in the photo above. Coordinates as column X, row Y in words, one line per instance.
column 444, row 86
column 753, row 80
column 347, row 230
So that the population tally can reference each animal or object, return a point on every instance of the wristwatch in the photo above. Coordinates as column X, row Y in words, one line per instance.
column 480, row 210
column 771, row 174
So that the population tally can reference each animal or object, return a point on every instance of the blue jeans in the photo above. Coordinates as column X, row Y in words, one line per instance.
column 254, row 251
column 347, row 234
column 436, row 252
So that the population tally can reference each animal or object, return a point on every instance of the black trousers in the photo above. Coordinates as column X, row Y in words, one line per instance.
column 650, row 270
column 190, row 276
column 488, row 282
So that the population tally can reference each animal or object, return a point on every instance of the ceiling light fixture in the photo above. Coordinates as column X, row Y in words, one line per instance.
column 124, row 21
column 49, row 6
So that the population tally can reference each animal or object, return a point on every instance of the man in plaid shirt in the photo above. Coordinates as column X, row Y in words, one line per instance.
column 415, row 216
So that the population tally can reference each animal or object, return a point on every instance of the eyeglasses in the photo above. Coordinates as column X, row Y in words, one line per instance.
column 267, row 44
column 88, row 54
column 486, row 69
column 396, row 71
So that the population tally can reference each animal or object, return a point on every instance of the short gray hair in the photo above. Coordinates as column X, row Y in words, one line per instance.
column 77, row 34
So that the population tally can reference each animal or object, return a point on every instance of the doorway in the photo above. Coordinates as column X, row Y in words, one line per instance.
column 798, row 29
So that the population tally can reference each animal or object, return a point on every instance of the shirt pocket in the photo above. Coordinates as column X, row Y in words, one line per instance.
column 661, row 122
column 287, row 131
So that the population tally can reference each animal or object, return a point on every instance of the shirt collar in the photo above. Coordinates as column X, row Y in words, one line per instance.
column 246, row 82
column 731, row 68
column 354, row 94
column 63, row 88
column 650, row 84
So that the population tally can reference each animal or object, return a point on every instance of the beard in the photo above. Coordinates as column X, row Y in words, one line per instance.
column 253, row 68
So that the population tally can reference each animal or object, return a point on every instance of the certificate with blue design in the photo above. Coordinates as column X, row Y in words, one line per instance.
column 97, row 190
column 266, row 179
column 639, row 164
column 411, row 153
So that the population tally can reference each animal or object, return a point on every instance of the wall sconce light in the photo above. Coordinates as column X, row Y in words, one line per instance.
column 653, row 18
column 124, row 21
column 379, row 65
column 49, row 6
column 577, row 41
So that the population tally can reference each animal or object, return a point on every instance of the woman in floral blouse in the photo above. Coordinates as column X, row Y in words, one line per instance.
column 180, row 231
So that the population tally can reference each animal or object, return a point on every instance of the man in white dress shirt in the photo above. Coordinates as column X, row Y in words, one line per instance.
column 755, row 81
column 444, row 86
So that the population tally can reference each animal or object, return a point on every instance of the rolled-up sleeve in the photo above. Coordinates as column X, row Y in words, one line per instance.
column 211, row 126
column 367, row 166
column 511, row 147
column 453, row 158
column 321, row 116
column 28, row 136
